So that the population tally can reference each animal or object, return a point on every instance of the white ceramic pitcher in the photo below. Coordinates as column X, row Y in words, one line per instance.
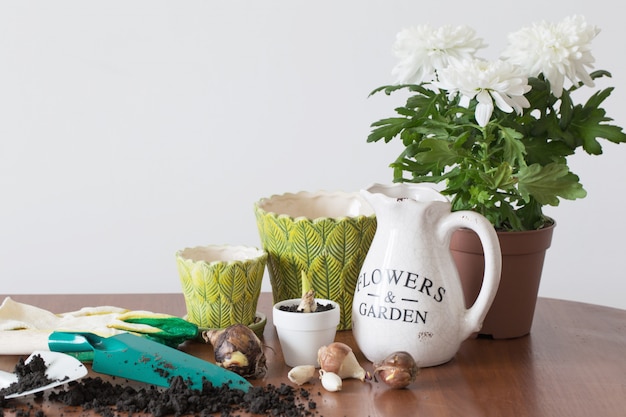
column 408, row 295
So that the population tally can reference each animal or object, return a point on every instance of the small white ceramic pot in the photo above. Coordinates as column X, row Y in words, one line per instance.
column 302, row 334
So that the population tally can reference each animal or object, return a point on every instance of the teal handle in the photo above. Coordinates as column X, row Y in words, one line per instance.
column 73, row 342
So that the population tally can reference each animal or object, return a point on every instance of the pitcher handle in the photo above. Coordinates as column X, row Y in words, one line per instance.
column 475, row 315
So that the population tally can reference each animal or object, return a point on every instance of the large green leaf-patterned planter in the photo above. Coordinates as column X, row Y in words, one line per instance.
column 221, row 283
column 325, row 234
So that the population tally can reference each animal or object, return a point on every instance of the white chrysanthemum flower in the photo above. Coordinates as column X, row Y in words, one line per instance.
column 487, row 82
column 556, row 50
column 422, row 51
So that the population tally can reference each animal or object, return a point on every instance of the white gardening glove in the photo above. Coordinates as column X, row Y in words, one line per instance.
column 25, row 328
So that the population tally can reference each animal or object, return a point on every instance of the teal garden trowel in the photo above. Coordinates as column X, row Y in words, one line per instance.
column 138, row 358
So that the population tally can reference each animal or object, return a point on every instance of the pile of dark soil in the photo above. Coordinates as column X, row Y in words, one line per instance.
column 110, row 399
column 320, row 307
column 30, row 375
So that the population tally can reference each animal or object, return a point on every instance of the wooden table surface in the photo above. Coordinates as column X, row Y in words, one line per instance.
column 572, row 364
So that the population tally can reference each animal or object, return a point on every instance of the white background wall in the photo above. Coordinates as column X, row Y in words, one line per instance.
column 130, row 129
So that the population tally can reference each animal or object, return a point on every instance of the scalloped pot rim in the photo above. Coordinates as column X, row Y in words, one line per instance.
column 301, row 206
column 229, row 254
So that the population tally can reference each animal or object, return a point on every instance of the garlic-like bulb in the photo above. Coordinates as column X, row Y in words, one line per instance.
column 301, row 374
column 397, row 370
column 340, row 359
column 238, row 349
column 330, row 381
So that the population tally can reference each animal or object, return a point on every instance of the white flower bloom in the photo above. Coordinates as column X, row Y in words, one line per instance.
column 422, row 51
column 487, row 82
column 556, row 50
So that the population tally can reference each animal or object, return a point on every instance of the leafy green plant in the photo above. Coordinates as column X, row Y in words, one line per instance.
column 508, row 160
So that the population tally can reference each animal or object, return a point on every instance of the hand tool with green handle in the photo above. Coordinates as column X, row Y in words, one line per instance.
column 134, row 357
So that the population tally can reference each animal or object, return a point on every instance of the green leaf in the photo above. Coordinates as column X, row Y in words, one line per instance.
column 388, row 89
column 547, row 183
column 589, row 133
column 306, row 283
column 503, row 177
column 538, row 151
column 387, row 129
column 566, row 110
column 514, row 148
column 436, row 152
column 590, row 124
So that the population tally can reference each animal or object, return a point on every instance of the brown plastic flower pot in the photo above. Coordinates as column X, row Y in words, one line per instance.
column 523, row 253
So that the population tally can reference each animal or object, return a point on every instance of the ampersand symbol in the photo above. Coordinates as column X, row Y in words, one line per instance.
column 390, row 298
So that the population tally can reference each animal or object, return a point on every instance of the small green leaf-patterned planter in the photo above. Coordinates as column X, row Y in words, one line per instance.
column 221, row 283
column 325, row 234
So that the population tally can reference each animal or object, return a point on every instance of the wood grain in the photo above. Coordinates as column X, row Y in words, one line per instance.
column 572, row 364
